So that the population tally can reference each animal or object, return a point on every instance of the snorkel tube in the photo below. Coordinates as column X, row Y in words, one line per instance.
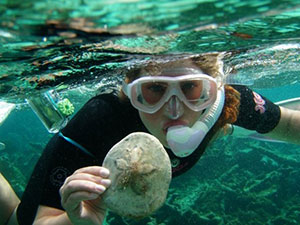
column 184, row 140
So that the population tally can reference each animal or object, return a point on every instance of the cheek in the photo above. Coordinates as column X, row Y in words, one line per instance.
column 153, row 123
column 150, row 120
column 192, row 116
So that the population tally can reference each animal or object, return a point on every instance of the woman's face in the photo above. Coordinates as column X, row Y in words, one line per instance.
column 158, row 123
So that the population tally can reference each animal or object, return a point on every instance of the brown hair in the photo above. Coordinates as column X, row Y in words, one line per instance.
column 229, row 113
column 231, row 107
column 209, row 63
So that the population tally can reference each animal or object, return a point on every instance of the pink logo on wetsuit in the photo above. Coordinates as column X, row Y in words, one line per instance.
column 260, row 102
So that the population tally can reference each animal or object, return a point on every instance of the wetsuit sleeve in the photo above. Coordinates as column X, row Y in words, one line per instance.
column 256, row 112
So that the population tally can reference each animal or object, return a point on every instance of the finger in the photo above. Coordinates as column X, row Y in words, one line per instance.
column 78, row 186
column 81, row 185
column 105, row 182
column 83, row 176
column 88, row 177
column 76, row 198
column 95, row 170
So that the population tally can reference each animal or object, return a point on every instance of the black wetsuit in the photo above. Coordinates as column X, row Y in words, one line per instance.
column 100, row 124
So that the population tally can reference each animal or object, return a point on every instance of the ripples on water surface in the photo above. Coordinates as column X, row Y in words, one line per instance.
column 49, row 43
column 78, row 46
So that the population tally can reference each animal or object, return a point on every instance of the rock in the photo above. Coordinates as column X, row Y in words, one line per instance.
column 140, row 172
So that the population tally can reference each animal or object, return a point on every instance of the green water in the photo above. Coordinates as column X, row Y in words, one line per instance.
column 79, row 47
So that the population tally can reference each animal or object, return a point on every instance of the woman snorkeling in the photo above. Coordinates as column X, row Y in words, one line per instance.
column 183, row 102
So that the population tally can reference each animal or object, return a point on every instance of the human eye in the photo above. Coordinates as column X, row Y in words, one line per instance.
column 188, row 86
column 156, row 87
column 191, row 89
column 153, row 91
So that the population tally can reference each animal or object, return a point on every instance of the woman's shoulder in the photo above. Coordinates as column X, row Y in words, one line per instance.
column 100, row 113
column 103, row 99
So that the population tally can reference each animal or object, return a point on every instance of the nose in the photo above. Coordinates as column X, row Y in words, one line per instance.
column 174, row 108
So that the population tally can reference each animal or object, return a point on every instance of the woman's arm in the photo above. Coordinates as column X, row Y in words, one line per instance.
column 258, row 113
column 8, row 200
column 48, row 215
column 288, row 128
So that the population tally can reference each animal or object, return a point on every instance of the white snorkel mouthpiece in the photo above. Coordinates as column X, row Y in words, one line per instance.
column 184, row 140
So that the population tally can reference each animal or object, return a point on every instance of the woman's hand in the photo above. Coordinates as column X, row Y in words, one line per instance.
column 81, row 195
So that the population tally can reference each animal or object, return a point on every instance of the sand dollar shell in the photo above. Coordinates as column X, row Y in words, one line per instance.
column 140, row 172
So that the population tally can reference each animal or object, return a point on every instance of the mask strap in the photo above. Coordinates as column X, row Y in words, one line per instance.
column 71, row 141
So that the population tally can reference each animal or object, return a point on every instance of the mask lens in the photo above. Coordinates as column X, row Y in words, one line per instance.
column 149, row 94
column 192, row 89
column 152, row 92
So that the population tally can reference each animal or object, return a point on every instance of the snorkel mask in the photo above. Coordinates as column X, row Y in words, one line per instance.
column 149, row 94
column 198, row 91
